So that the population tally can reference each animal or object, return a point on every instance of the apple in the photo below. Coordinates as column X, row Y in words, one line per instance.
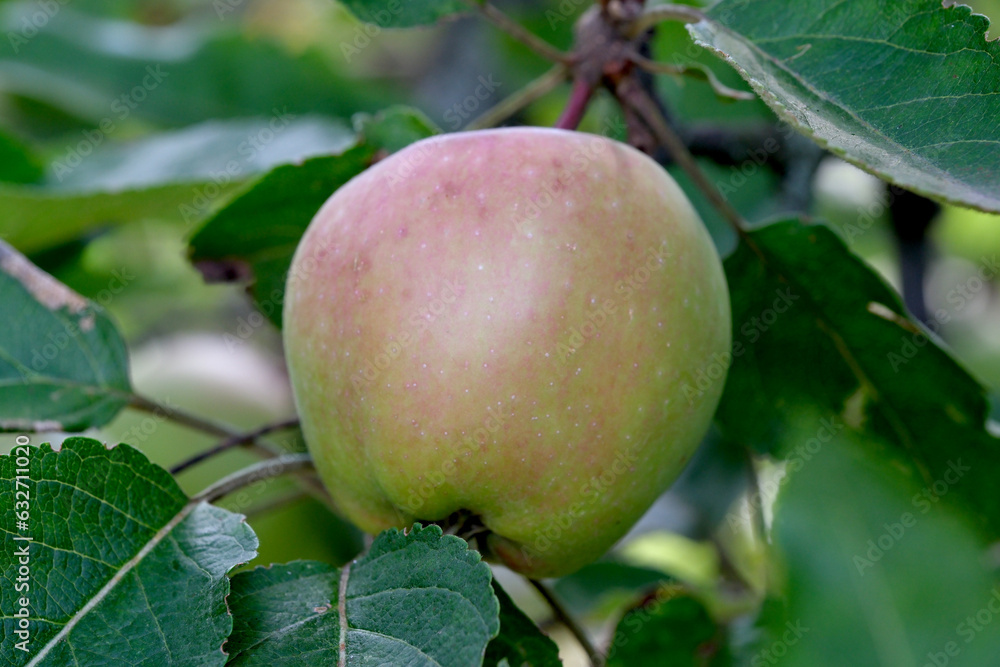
column 514, row 324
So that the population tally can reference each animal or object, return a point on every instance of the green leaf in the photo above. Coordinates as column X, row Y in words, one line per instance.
column 17, row 163
column 218, row 152
column 394, row 129
column 416, row 598
column 586, row 588
column 520, row 642
column 669, row 628
column 123, row 567
column 63, row 365
column 403, row 13
column 172, row 76
column 907, row 90
column 813, row 326
column 34, row 219
column 254, row 237
column 877, row 573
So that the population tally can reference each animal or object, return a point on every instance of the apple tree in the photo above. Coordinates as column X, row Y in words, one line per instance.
column 319, row 349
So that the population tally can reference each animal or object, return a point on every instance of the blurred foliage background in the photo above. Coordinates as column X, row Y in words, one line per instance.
column 156, row 99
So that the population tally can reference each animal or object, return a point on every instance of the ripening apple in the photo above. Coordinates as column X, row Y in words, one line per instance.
column 516, row 324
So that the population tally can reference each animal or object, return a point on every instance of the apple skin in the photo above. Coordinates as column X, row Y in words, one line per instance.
column 508, row 322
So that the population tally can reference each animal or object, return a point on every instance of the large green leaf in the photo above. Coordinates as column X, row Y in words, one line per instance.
column 63, row 365
column 171, row 76
column 813, row 326
column 416, row 598
column 908, row 90
column 122, row 567
column 876, row 573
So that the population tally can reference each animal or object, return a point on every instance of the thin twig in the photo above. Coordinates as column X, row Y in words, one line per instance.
column 660, row 13
column 561, row 613
column 250, row 437
column 518, row 32
column 643, row 104
column 696, row 71
column 261, row 470
column 191, row 421
column 579, row 97
column 509, row 106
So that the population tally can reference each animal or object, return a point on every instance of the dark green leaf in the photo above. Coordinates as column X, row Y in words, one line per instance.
column 255, row 236
column 907, row 90
column 17, row 163
column 815, row 326
column 418, row 598
column 669, row 628
column 63, row 364
column 403, row 13
column 878, row 573
column 124, row 569
column 520, row 642
column 585, row 589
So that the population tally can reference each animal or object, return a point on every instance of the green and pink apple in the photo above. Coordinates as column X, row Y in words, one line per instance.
column 508, row 323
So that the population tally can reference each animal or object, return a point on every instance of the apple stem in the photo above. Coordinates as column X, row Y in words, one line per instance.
column 564, row 617
column 579, row 98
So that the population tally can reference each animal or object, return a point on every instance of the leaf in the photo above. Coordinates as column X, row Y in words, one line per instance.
column 813, row 326
column 520, row 642
column 124, row 568
column 172, row 176
column 404, row 14
column 63, row 366
column 879, row 574
column 416, row 598
column 34, row 219
column 254, row 237
column 170, row 76
column 907, row 90
column 17, row 163
column 669, row 628
column 584, row 590
column 394, row 129
column 212, row 152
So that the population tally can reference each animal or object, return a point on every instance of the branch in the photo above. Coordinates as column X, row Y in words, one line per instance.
column 262, row 470
column 631, row 94
column 250, row 437
column 191, row 421
column 577, row 105
column 517, row 32
column 564, row 617
column 509, row 106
